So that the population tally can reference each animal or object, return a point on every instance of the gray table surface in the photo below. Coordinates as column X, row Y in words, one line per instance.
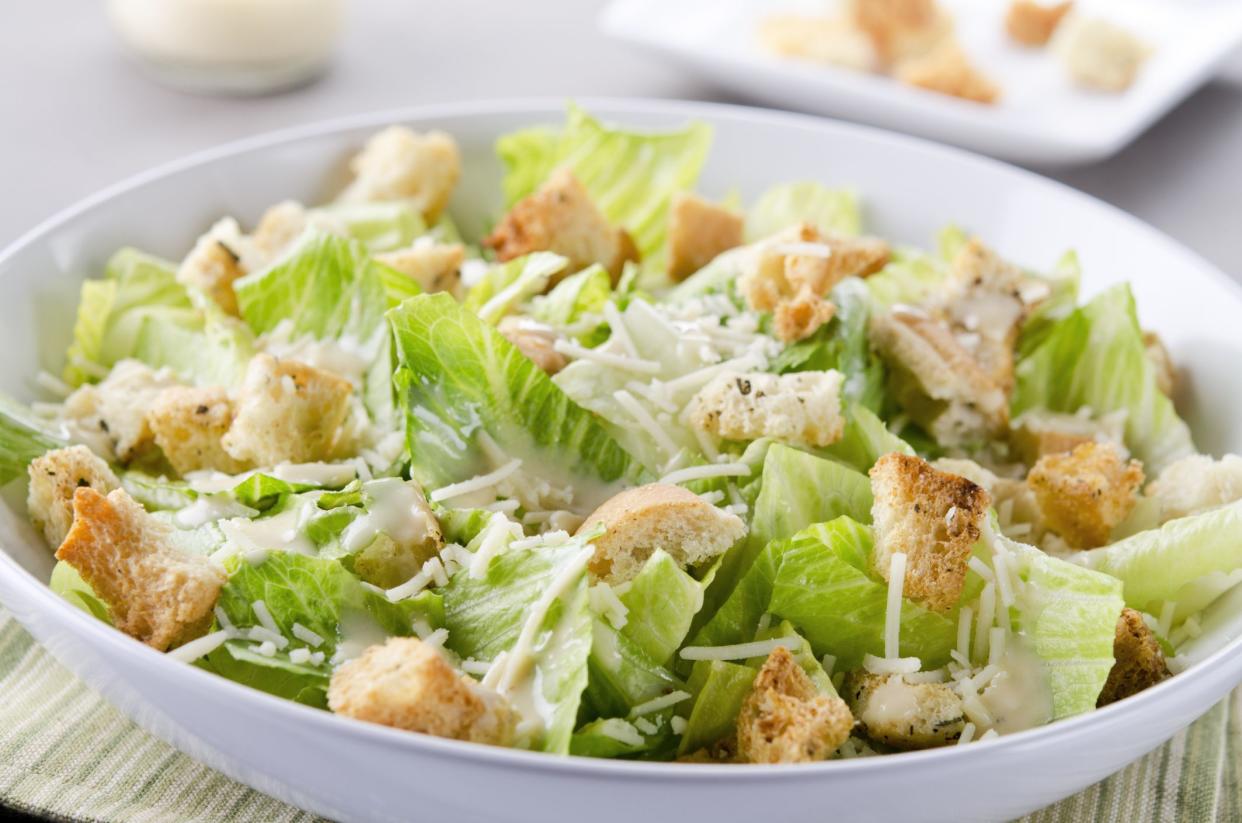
column 76, row 115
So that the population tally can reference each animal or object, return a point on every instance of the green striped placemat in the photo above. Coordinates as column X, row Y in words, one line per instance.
column 65, row 753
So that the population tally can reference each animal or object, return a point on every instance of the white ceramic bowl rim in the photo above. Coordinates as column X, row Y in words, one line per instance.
column 1123, row 712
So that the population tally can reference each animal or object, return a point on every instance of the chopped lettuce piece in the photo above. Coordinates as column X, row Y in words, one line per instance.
column 378, row 226
column 66, row 582
column 1063, row 283
column 833, row 211
column 22, row 438
column 1095, row 358
column 719, row 689
column 459, row 377
column 911, row 277
column 717, row 277
column 572, row 299
column 616, row 737
column 621, row 674
column 507, row 284
column 209, row 349
column 661, row 601
column 865, row 440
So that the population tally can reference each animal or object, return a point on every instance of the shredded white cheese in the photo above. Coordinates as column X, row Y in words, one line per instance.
column 658, row 703
column 199, row 647
column 892, row 611
column 307, row 636
column 706, row 472
column 476, row 483
column 617, row 361
column 738, row 651
column 891, row 665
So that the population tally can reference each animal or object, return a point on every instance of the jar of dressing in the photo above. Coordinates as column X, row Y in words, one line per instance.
column 230, row 46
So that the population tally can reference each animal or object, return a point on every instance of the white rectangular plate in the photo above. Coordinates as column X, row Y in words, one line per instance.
column 1040, row 118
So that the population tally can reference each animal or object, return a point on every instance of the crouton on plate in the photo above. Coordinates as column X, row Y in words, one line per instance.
column 54, row 478
column 1085, row 493
column 785, row 719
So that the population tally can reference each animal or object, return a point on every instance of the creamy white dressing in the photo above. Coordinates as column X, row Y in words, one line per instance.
column 356, row 632
column 314, row 474
column 208, row 508
column 281, row 532
column 893, row 702
column 1019, row 697
column 398, row 510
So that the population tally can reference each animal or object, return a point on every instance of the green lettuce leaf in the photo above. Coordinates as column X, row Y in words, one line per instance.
column 911, row 278
column 834, row 211
column 573, row 298
column 621, row 674
column 1063, row 283
column 378, row 226
column 209, row 349
column 865, row 440
column 23, row 437
column 661, row 603
column 507, row 284
column 66, row 582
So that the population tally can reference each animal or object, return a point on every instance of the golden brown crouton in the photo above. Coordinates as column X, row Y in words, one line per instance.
column 657, row 516
column 116, row 408
column 801, row 259
column 399, row 164
column 801, row 316
column 835, row 41
column 1195, row 484
column 287, row 411
column 938, row 382
column 948, row 70
column 189, row 423
column 785, row 720
column 1032, row 23
column 1100, row 55
column 1158, row 354
column 535, row 340
column 905, row 715
column 1087, row 492
column 698, row 230
column 212, row 265
column 901, row 29
column 406, row 684
column 799, row 408
column 1140, row 662
column 154, row 592
column 54, row 478
column 561, row 218
column 433, row 266
column 934, row 518
column 721, row 752
column 1037, row 433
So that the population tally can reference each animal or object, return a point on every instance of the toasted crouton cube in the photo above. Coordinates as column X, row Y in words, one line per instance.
column 1140, row 662
column 905, row 715
column 407, row 684
column 116, row 408
column 801, row 316
column 154, row 591
column 54, row 478
column 1037, row 433
column 934, row 518
column 802, row 259
column 1087, row 492
column 948, row 70
column 1100, row 55
column 1158, row 354
column 1032, row 23
column 535, row 340
column 799, row 408
column 213, row 264
column 939, row 383
column 287, row 411
column 561, row 218
column 400, row 164
column 835, row 41
column 657, row 516
column 785, row 720
column 901, row 29
column 189, row 423
column 433, row 266
column 986, row 304
column 698, row 230
column 1195, row 484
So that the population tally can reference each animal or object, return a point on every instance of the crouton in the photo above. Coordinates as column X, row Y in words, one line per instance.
column 287, row 411
column 905, row 715
column 1140, row 662
column 154, row 592
column 1085, row 493
column 406, row 684
column 937, row 381
column 213, row 264
column 1158, row 354
column 657, row 516
column 934, row 518
column 835, row 41
column 802, row 408
column 1032, row 23
column 947, row 69
column 802, row 259
column 561, row 218
column 54, row 478
column 901, row 29
column 433, row 266
column 1017, row 509
column 1196, row 484
column 801, row 316
column 189, row 423
column 785, row 720
column 1034, row 434
column 535, row 340
column 1099, row 55
column 698, row 230
column 399, row 164
column 117, row 407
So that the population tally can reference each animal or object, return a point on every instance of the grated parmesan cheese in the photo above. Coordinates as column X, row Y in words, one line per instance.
column 474, row 484
column 200, row 647
column 706, row 472
column 737, row 651
column 891, row 665
column 658, row 703
column 892, row 611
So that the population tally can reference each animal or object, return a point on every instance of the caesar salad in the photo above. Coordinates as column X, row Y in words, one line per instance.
column 639, row 473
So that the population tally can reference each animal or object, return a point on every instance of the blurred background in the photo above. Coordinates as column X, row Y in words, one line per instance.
column 82, row 109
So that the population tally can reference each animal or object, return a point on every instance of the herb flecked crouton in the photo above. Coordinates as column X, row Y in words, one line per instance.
column 213, row 264
column 1032, row 23
column 934, row 518
column 406, row 684
column 799, row 408
column 154, row 591
column 801, row 259
column 698, row 230
column 116, row 408
column 400, row 164
column 947, row 69
column 801, row 316
column 434, row 267
column 1085, row 493
column 54, row 478
column 657, row 516
column 1140, row 662
column 188, row 423
column 905, row 715
column 287, row 411
column 785, row 719
column 560, row 217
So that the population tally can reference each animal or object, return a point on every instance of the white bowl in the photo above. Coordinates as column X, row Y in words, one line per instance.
column 354, row 771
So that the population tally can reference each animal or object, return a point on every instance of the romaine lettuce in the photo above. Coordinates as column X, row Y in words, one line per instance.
column 507, row 284
column 834, row 211
column 22, row 438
